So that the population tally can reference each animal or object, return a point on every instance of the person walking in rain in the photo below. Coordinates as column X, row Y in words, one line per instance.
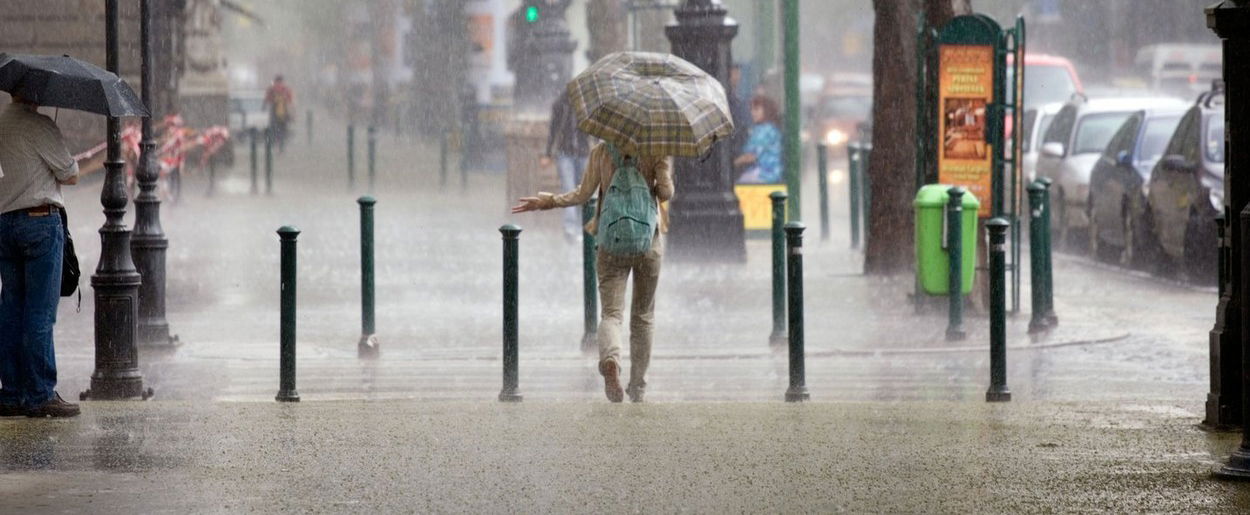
column 571, row 150
column 614, row 268
column 34, row 164
column 280, row 101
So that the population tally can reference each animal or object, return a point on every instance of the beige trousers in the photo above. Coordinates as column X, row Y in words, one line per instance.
column 613, row 272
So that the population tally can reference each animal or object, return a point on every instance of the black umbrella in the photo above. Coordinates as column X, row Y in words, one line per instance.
column 67, row 82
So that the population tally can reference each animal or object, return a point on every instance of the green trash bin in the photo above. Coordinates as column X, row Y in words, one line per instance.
column 932, row 263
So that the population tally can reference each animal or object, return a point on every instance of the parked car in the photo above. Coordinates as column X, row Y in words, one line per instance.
column 1120, row 180
column 1183, row 69
column 247, row 111
column 1073, row 143
column 1187, row 190
column 841, row 110
column 1048, row 79
column 1034, row 125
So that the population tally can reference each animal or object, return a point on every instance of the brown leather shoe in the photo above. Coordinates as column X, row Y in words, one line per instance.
column 56, row 407
column 612, row 380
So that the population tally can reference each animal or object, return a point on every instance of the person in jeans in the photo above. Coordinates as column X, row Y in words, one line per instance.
column 34, row 163
column 572, row 148
column 615, row 270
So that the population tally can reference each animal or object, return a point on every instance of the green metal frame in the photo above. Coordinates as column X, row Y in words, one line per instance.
column 977, row 29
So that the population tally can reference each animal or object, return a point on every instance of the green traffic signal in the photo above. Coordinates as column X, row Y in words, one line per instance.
column 531, row 14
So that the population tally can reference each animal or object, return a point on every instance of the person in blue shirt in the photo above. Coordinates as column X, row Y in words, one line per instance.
column 761, row 156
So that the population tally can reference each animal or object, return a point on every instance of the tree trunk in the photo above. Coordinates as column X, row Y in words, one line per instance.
column 891, row 171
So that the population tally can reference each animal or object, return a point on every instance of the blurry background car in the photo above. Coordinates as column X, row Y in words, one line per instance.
column 1179, row 69
column 1035, row 123
column 1186, row 189
column 1073, row 143
column 247, row 111
column 1117, row 192
column 1048, row 79
column 842, row 110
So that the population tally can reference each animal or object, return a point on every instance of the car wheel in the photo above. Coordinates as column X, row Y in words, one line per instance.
column 1105, row 251
column 1201, row 249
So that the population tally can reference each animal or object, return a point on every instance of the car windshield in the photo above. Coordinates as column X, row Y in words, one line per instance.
column 1154, row 139
column 1096, row 130
column 1213, row 143
column 1044, row 84
column 846, row 107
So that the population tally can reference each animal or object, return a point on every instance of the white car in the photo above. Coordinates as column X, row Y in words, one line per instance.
column 1034, row 125
column 1072, row 145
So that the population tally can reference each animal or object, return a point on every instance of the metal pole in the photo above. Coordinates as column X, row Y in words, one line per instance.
column 511, row 236
column 286, row 339
column 148, row 243
column 765, row 37
column 794, row 287
column 351, row 155
column 998, row 391
column 822, row 168
column 954, row 252
column 373, row 144
column 212, row 182
column 253, row 159
column 854, row 161
column 778, row 336
column 116, row 282
column 269, row 160
column 590, row 281
column 368, row 346
column 793, row 145
column 1037, row 259
column 865, row 190
column 1048, row 269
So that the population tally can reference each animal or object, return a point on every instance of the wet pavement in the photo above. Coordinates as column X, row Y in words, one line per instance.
column 1117, row 387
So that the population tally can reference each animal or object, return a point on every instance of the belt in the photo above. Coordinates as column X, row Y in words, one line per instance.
column 44, row 210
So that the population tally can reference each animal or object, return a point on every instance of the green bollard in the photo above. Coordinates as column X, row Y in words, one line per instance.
column 268, row 162
column 865, row 189
column 253, row 156
column 373, row 147
column 368, row 346
column 954, row 252
column 590, row 281
column 286, row 383
column 998, row 391
column 1037, row 259
column 794, row 287
column 351, row 156
column 511, row 237
column 822, row 181
column 1048, row 269
column 854, row 160
column 778, row 336
column 442, row 160
column 309, row 127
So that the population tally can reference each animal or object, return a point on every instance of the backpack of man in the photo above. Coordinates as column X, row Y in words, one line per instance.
column 627, row 220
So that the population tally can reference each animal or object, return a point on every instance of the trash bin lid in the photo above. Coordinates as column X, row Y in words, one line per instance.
column 934, row 195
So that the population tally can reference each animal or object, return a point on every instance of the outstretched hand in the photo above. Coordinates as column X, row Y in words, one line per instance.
column 526, row 204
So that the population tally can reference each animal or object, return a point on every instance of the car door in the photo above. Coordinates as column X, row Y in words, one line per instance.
column 1059, row 132
column 1112, row 179
column 1173, row 188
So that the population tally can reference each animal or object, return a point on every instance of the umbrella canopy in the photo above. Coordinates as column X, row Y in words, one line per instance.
column 67, row 82
column 651, row 104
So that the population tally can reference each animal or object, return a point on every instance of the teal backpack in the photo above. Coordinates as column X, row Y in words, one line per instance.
column 628, row 220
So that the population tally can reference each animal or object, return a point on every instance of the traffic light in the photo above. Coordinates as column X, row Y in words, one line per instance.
column 531, row 14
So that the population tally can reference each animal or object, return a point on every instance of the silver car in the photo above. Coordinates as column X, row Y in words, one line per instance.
column 1035, row 123
column 1073, row 144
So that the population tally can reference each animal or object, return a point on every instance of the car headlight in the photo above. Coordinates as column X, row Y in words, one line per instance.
column 835, row 137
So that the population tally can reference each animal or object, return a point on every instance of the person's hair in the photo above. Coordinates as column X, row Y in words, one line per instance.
column 278, row 77
column 771, row 112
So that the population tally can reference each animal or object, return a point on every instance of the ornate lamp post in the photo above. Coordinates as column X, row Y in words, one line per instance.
column 706, row 219
column 116, row 283
column 148, row 243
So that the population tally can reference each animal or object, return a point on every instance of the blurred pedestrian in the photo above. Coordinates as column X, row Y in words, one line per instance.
column 761, row 156
column 629, row 225
column 571, row 152
column 281, row 103
column 739, row 109
column 35, row 164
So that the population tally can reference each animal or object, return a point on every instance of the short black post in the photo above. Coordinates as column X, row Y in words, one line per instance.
column 1037, row 259
column 442, row 160
column 794, row 288
column 590, row 281
column 309, row 126
column 865, row 190
column 373, row 147
column 954, row 252
column 269, row 161
column 1048, row 270
column 778, row 337
column 368, row 346
column 212, row 176
column 286, row 388
column 822, row 167
column 854, row 161
column 998, row 391
column 511, row 239
column 255, row 188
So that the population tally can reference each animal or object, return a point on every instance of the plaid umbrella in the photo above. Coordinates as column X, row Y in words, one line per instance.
column 651, row 104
